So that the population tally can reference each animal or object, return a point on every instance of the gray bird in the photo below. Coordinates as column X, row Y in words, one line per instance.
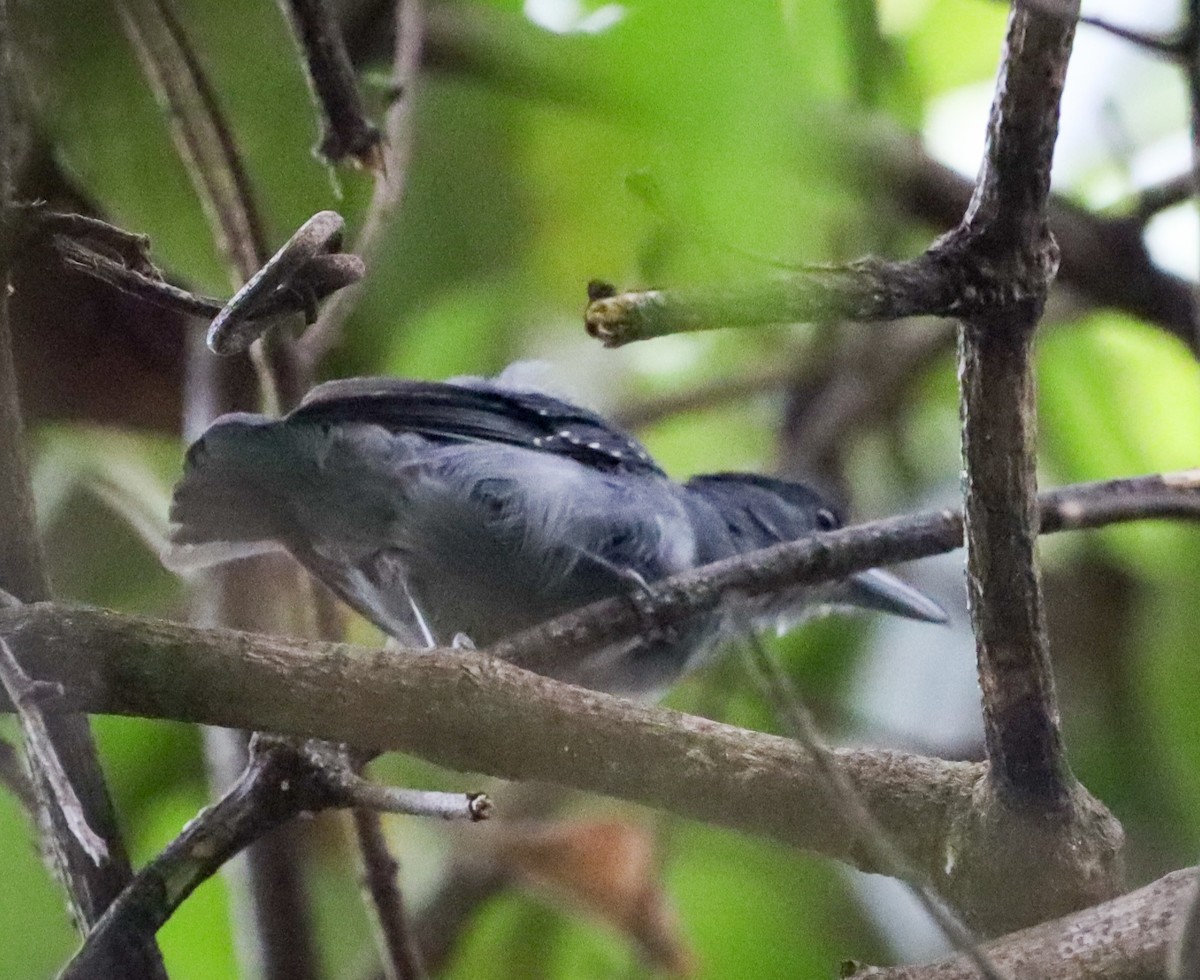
column 475, row 508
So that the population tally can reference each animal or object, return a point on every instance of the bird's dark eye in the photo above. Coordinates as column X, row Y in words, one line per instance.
column 826, row 519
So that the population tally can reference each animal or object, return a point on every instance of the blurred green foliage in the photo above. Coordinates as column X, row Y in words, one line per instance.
column 661, row 150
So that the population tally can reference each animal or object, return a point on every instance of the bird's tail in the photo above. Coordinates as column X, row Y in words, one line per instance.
column 221, row 508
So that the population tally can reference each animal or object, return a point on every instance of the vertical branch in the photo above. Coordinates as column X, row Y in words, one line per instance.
column 1020, row 714
column 401, row 960
column 345, row 129
column 390, row 181
column 1005, row 230
column 22, row 568
column 93, row 880
column 1190, row 49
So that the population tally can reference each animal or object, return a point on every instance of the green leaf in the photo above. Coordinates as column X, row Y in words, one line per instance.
column 1118, row 398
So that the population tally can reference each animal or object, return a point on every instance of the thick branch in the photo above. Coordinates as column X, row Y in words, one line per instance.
column 1127, row 938
column 1005, row 225
column 475, row 713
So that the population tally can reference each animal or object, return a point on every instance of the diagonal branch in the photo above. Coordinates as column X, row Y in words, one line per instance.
column 832, row 555
column 884, row 854
column 1127, row 938
column 399, row 952
column 202, row 137
column 252, row 807
column 28, row 697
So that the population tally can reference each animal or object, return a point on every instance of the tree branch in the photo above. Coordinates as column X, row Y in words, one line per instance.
column 281, row 779
column 27, row 697
column 1005, row 225
column 476, row 713
column 345, row 129
column 408, row 30
column 823, row 557
column 1127, row 938
column 67, row 776
column 204, row 141
column 399, row 953
column 938, row 282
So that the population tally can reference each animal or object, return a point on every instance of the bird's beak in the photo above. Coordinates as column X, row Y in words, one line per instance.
column 877, row 589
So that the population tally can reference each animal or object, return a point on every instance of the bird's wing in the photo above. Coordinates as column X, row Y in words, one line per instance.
column 478, row 411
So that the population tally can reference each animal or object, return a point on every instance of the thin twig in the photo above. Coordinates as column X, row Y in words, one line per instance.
column 414, row 802
column 832, row 555
column 1168, row 45
column 400, row 956
column 869, row 834
column 390, row 182
column 345, row 130
column 338, row 768
column 319, row 277
column 202, row 138
column 1161, row 197
column 80, row 258
column 466, row 886
column 279, row 782
column 28, row 696
column 15, row 779
column 754, row 383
